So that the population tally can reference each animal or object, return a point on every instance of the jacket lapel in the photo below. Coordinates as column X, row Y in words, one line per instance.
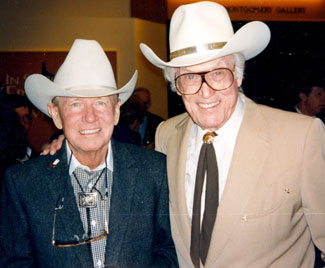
column 251, row 151
column 176, row 163
column 68, row 218
column 124, row 183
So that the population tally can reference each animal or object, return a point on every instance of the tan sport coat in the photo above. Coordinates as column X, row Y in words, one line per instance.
column 273, row 205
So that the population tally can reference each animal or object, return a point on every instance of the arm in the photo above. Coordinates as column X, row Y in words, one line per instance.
column 159, row 138
column 313, row 182
column 170, row 128
column 15, row 240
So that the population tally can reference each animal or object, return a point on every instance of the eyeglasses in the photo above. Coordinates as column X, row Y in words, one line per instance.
column 191, row 83
column 86, row 238
column 76, row 241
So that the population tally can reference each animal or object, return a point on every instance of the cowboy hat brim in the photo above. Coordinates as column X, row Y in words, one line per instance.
column 41, row 91
column 250, row 40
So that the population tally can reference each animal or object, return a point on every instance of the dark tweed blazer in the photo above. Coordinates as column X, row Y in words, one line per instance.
column 138, row 222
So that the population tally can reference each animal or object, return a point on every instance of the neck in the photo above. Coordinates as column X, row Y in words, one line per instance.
column 90, row 159
column 303, row 109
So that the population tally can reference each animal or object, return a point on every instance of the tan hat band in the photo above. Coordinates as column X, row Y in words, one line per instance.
column 194, row 49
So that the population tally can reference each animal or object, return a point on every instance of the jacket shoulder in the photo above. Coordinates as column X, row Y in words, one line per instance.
column 138, row 153
column 278, row 116
column 169, row 128
column 285, row 125
column 35, row 168
column 154, row 119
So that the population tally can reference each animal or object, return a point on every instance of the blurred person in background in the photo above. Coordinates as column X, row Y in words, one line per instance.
column 312, row 100
column 14, row 145
column 150, row 121
column 130, row 119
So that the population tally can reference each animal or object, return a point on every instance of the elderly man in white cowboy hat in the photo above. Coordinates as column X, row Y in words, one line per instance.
column 251, row 193
column 96, row 202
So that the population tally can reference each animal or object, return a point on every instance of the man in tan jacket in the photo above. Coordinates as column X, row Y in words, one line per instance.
column 270, row 205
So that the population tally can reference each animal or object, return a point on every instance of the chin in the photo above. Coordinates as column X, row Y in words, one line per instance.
column 212, row 124
column 91, row 147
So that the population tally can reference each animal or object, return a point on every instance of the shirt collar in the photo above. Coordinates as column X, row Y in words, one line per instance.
column 297, row 110
column 75, row 163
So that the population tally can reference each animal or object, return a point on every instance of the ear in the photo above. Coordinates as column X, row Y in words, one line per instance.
column 239, row 82
column 117, row 111
column 54, row 112
column 302, row 96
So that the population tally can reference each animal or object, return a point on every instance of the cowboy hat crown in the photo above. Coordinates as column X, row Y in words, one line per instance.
column 85, row 72
column 202, row 31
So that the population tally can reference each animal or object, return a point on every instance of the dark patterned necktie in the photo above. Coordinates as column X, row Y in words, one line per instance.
column 201, row 235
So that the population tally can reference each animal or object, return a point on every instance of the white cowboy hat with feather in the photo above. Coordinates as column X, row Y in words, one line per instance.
column 85, row 72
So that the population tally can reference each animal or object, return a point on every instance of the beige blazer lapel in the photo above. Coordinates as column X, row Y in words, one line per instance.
column 251, row 151
column 176, row 162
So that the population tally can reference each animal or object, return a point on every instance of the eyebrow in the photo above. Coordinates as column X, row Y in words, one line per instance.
column 209, row 70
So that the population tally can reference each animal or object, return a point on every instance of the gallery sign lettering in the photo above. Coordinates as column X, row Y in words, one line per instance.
column 276, row 10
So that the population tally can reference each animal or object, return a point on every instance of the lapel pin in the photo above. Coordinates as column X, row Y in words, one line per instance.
column 56, row 161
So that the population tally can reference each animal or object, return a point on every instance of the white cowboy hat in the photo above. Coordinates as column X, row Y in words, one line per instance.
column 85, row 72
column 202, row 31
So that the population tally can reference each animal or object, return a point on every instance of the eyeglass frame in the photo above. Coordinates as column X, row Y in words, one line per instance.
column 203, row 80
column 59, row 206
column 62, row 245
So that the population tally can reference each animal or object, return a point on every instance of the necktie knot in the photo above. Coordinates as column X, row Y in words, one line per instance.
column 208, row 138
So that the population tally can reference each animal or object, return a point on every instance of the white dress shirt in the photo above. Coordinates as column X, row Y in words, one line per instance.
column 98, row 214
column 224, row 144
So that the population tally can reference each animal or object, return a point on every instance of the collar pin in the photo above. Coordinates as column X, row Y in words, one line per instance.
column 56, row 161
column 209, row 137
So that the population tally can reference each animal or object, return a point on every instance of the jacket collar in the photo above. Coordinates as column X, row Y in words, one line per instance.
column 124, row 184
column 69, row 221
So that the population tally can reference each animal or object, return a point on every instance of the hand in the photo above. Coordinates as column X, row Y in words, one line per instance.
column 55, row 145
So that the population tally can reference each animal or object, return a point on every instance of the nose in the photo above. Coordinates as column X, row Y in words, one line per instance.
column 90, row 113
column 206, row 91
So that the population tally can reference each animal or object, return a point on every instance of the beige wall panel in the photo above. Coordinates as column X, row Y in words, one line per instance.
column 154, row 35
column 65, row 8
column 58, row 34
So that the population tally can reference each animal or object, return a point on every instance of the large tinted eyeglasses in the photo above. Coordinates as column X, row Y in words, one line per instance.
column 217, row 79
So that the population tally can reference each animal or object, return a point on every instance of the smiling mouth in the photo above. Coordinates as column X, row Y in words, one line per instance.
column 89, row 131
column 208, row 105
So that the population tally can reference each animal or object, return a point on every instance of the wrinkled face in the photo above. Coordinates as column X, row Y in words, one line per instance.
column 315, row 101
column 208, row 108
column 88, row 123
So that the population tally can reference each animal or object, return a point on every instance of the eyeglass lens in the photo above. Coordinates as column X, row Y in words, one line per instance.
column 218, row 79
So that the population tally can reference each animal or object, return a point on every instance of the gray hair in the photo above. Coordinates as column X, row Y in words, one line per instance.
column 170, row 72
